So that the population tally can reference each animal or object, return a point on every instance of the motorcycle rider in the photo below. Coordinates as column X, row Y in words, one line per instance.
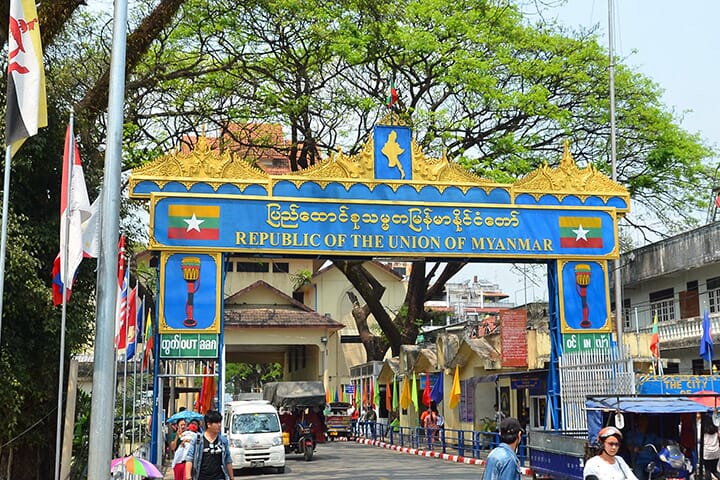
column 607, row 464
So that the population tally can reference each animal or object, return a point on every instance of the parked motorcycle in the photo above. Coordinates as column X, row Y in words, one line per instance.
column 305, row 441
column 670, row 463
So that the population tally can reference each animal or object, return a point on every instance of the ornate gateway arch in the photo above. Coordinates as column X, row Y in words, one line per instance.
column 388, row 201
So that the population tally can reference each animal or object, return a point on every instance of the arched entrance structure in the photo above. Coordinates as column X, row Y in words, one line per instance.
column 389, row 201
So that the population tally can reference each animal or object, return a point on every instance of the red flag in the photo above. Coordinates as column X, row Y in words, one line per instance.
column 122, row 299
column 426, row 391
column 371, row 387
column 388, row 397
column 207, row 394
column 364, row 395
column 26, row 108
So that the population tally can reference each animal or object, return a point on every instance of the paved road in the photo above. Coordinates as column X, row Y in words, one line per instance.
column 349, row 460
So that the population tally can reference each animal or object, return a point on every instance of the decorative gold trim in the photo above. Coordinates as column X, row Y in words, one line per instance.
column 202, row 164
column 205, row 165
column 440, row 172
column 567, row 179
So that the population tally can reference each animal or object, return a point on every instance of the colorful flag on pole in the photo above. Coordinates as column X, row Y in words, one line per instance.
column 149, row 339
column 57, row 284
column 426, row 391
column 132, row 323
column 376, row 393
column 392, row 96
column 74, row 209
column 655, row 339
column 388, row 397
column 121, row 317
column 707, row 350
column 405, row 396
column 455, row 390
column 395, row 396
column 437, row 393
column 364, row 394
column 26, row 109
column 208, row 390
column 414, row 393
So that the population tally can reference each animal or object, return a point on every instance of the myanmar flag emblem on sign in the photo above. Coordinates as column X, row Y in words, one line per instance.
column 194, row 222
column 581, row 232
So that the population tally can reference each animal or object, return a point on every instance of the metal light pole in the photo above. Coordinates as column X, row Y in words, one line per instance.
column 613, row 163
column 101, row 420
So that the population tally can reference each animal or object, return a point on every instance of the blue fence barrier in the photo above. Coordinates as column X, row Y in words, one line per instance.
column 465, row 443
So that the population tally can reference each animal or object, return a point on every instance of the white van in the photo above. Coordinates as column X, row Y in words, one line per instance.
column 253, row 430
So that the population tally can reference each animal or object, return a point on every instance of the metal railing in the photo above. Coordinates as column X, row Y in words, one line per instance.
column 464, row 443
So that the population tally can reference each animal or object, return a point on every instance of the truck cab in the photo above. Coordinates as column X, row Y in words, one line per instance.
column 253, row 431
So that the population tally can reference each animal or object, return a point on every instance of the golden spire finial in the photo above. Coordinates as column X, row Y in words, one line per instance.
column 567, row 158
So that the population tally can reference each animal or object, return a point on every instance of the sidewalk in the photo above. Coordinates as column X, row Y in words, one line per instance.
column 432, row 454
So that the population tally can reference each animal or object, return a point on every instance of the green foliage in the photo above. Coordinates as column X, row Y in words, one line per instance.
column 300, row 278
column 250, row 377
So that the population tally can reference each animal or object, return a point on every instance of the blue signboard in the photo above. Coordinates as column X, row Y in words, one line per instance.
column 678, row 384
column 584, row 298
column 190, row 287
column 364, row 228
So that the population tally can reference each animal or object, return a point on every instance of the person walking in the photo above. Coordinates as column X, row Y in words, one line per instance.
column 208, row 456
column 503, row 462
column 431, row 426
column 607, row 464
column 711, row 448
column 184, row 438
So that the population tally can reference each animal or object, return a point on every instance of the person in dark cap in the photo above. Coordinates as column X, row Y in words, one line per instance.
column 503, row 462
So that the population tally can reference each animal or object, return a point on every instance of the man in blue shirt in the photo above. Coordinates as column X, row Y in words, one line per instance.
column 503, row 463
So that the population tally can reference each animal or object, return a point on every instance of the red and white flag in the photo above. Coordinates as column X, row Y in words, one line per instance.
column 74, row 209
column 26, row 102
column 121, row 306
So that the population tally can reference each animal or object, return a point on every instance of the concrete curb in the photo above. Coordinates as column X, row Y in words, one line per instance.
column 431, row 454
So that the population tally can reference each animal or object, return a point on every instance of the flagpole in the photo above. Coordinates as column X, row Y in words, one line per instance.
column 613, row 164
column 3, row 234
column 65, row 281
column 100, row 448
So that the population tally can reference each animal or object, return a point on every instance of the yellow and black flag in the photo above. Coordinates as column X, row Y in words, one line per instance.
column 26, row 103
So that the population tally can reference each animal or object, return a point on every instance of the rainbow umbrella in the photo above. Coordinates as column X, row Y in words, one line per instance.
column 136, row 466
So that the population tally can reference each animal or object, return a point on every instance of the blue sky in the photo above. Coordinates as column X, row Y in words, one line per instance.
column 677, row 45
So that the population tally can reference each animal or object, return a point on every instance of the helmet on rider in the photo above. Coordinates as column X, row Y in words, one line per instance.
column 609, row 432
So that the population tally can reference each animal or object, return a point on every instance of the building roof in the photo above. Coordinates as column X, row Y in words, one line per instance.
column 474, row 346
column 269, row 317
column 286, row 313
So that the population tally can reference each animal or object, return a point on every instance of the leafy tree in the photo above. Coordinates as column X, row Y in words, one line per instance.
column 248, row 377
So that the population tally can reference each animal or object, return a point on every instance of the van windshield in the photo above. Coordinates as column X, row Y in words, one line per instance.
column 255, row 423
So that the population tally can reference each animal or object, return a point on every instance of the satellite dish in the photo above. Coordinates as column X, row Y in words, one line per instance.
column 619, row 420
